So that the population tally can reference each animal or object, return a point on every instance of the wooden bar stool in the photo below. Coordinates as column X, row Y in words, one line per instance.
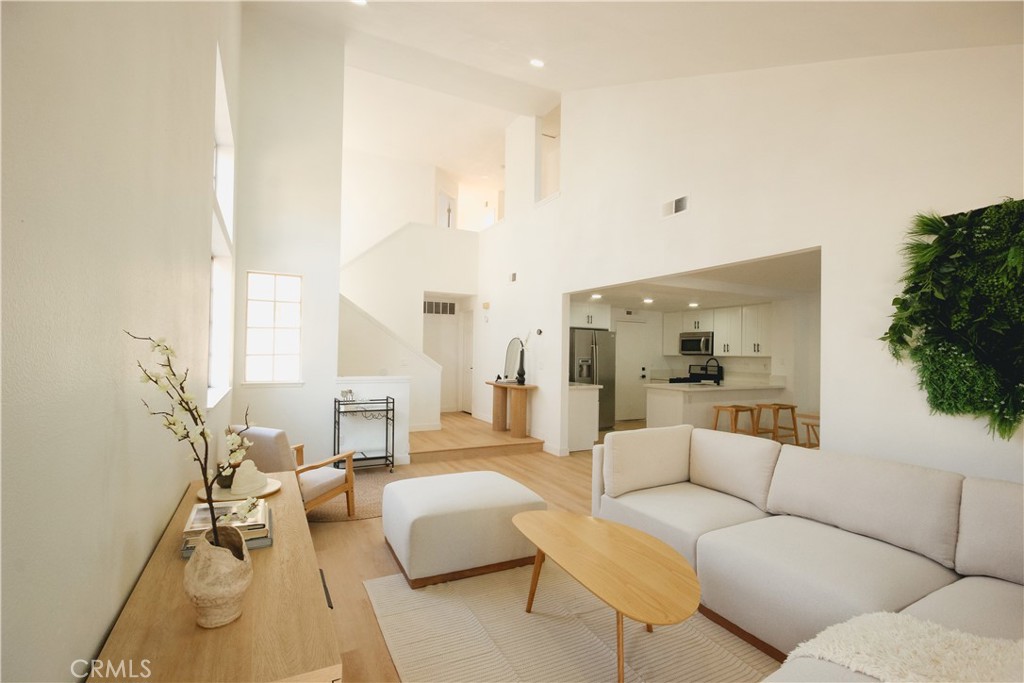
column 778, row 431
column 811, row 424
column 734, row 413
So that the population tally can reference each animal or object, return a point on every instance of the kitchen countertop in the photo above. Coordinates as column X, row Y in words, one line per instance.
column 703, row 388
column 584, row 385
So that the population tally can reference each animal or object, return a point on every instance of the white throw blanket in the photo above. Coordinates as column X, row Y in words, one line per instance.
column 899, row 647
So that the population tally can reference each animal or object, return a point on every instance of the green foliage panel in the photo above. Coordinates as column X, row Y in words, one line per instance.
column 960, row 318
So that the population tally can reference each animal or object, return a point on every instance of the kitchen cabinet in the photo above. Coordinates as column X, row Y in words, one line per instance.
column 756, row 330
column 597, row 316
column 584, row 405
column 728, row 331
column 699, row 321
column 671, row 326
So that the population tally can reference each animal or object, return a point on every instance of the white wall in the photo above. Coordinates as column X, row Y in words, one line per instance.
column 107, row 201
column 389, row 280
column 521, row 244
column 367, row 348
column 839, row 155
column 289, row 209
column 379, row 196
column 366, row 433
column 478, row 207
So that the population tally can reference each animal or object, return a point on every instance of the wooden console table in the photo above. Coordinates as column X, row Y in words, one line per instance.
column 285, row 631
column 500, row 418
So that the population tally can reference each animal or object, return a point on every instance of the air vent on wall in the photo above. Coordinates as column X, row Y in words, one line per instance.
column 439, row 307
column 674, row 206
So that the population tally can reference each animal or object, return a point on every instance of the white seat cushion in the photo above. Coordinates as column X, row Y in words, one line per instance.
column 784, row 579
column 987, row 607
column 455, row 522
column 679, row 513
column 319, row 481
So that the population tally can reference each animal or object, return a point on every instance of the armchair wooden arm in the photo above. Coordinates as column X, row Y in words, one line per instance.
column 341, row 456
column 299, row 451
column 347, row 487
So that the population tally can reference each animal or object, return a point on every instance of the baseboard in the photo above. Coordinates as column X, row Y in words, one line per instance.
column 732, row 628
column 432, row 427
column 423, row 581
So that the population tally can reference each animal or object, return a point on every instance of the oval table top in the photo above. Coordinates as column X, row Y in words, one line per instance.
column 633, row 572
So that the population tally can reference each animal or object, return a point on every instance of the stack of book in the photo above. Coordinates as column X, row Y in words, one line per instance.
column 256, row 527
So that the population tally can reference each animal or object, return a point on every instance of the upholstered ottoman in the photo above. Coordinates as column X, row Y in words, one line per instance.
column 451, row 526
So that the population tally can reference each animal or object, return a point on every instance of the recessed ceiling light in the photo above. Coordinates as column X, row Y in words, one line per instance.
column 595, row 296
column 537, row 63
column 694, row 304
column 358, row 2
column 648, row 300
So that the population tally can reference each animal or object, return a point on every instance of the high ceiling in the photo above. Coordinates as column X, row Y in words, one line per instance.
column 461, row 69
column 437, row 83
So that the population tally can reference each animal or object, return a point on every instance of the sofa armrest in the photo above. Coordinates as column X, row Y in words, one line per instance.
column 597, row 480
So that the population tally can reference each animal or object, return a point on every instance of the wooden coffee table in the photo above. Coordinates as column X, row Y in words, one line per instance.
column 634, row 573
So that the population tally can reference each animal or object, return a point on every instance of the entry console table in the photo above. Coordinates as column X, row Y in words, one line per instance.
column 501, row 419
column 285, row 631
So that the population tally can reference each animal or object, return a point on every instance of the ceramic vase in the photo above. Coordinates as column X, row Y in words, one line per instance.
column 521, row 374
column 216, row 577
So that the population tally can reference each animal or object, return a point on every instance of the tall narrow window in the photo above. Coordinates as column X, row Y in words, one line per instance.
column 222, row 266
column 273, row 318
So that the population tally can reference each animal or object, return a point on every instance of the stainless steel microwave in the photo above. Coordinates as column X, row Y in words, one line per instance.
column 697, row 343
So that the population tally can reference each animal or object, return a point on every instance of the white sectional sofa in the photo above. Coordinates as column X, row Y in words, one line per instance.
column 788, row 541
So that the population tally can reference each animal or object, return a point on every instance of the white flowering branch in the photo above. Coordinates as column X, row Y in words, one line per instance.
column 187, row 421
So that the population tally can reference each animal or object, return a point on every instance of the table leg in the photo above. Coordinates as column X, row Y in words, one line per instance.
column 650, row 628
column 619, row 641
column 517, row 418
column 537, row 562
column 499, row 409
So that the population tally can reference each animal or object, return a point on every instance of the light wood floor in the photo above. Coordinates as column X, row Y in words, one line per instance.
column 463, row 436
column 351, row 552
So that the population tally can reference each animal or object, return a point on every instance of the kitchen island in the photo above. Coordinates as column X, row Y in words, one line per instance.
column 675, row 404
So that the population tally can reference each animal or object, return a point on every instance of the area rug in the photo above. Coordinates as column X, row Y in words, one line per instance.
column 370, row 485
column 478, row 630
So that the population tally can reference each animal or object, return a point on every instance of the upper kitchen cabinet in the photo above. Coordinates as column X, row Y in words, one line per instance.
column 757, row 330
column 698, row 321
column 671, row 326
column 597, row 316
column 728, row 327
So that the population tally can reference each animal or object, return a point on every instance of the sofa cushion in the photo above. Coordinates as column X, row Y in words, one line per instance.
column 914, row 507
column 678, row 513
column 642, row 458
column 991, row 540
column 976, row 604
column 784, row 579
column 736, row 464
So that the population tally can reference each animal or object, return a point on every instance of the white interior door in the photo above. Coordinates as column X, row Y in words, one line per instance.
column 441, row 342
column 630, row 352
column 466, row 361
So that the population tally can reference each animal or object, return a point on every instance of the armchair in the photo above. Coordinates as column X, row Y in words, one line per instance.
column 318, row 482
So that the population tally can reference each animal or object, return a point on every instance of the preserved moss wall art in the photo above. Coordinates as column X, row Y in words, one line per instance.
column 960, row 317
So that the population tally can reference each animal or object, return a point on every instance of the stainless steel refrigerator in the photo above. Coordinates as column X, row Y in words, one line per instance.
column 592, row 361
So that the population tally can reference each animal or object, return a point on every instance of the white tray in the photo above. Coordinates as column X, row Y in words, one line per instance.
column 219, row 494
